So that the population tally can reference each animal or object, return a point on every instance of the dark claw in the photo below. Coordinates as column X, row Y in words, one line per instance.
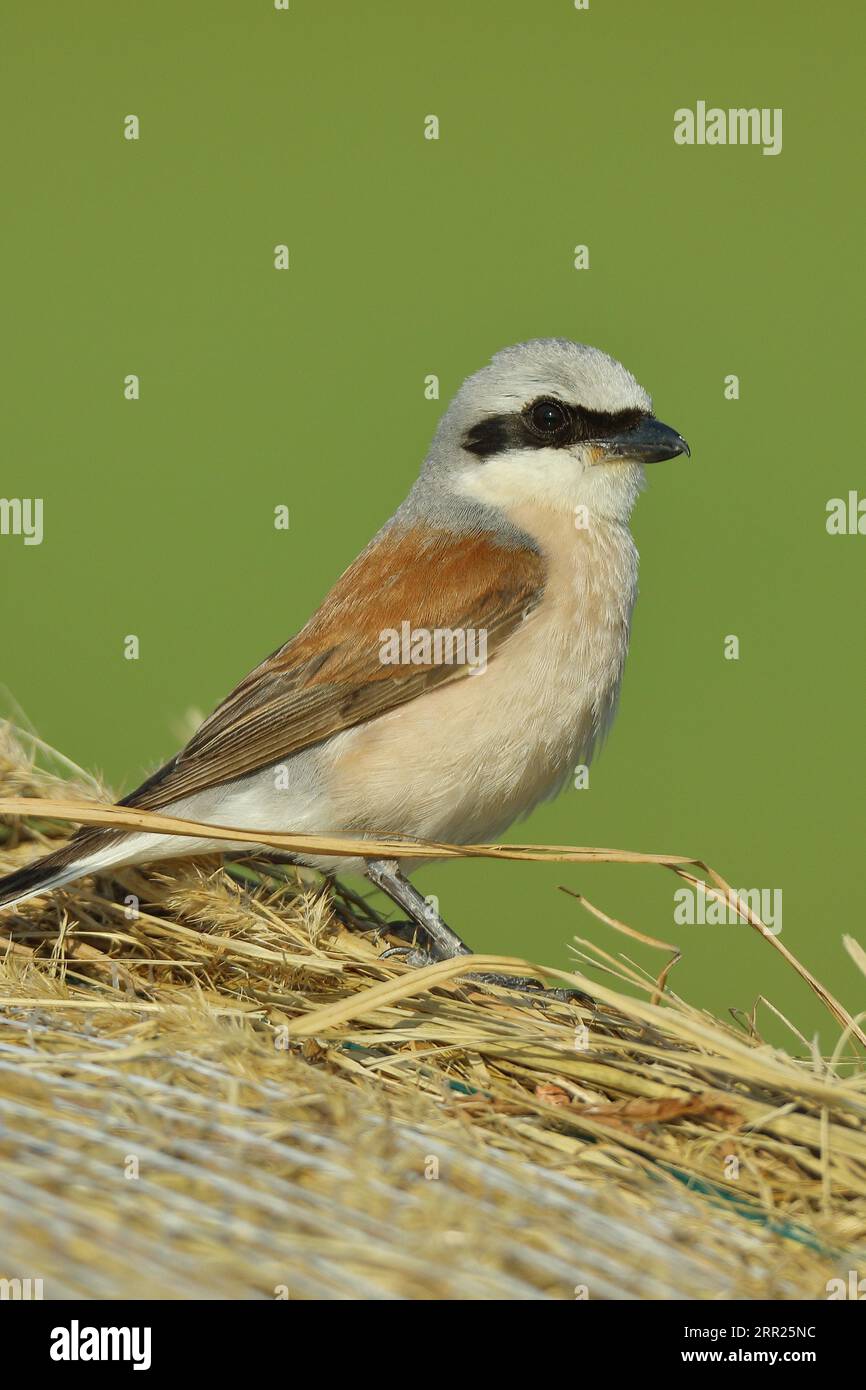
column 524, row 985
column 521, row 982
column 410, row 954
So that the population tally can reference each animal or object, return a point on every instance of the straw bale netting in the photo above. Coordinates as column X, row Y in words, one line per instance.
column 228, row 1094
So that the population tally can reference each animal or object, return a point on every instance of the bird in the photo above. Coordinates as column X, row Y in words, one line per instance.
column 458, row 671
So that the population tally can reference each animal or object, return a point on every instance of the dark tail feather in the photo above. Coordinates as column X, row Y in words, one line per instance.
column 88, row 851
column 72, row 861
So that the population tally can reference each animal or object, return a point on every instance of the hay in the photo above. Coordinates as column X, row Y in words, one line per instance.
column 228, row 1094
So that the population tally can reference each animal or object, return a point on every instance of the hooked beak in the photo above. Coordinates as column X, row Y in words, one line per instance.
column 647, row 442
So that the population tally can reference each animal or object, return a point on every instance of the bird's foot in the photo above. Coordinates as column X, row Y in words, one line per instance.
column 420, row 949
column 430, row 940
column 409, row 955
column 418, row 956
column 525, row 984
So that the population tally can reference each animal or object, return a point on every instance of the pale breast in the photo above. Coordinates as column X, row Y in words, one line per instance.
column 464, row 761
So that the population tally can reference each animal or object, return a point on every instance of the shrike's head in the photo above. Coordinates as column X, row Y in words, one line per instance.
column 550, row 423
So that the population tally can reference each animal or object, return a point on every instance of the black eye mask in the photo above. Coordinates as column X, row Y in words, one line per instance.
column 548, row 423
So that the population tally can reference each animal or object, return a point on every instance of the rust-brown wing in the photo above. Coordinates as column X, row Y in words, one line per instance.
column 330, row 676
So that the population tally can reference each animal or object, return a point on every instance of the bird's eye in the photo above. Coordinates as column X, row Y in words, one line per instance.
column 548, row 417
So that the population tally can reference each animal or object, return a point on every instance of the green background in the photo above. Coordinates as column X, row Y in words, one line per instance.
column 411, row 257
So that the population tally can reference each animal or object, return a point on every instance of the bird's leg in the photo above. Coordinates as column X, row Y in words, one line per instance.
column 445, row 944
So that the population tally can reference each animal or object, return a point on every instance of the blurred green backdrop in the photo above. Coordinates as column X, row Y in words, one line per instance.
column 410, row 257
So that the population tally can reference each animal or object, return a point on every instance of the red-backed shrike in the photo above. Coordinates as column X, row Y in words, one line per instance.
column 465, row 663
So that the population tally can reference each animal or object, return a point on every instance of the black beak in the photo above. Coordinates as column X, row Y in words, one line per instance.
column 647, row 442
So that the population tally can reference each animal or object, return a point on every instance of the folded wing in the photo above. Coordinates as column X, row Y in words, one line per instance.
column 331, row 675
